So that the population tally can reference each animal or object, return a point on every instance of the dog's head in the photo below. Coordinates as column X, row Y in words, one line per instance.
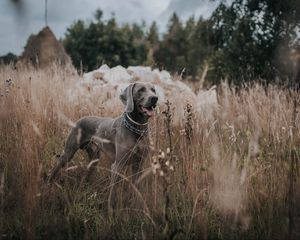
column 140, row 98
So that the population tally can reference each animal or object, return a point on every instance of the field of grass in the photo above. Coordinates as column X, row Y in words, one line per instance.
column 233, row 176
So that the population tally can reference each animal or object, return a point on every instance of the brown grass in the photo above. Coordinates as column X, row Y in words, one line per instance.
column 235, row 176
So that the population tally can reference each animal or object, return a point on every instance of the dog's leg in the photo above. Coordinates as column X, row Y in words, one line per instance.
column 114, row 173
column 62, row 160
column 94, row 157
column 137, row 166
column 70, row 149
column 116, row 168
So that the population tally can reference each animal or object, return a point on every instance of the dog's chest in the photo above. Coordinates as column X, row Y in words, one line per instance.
column 141, row 148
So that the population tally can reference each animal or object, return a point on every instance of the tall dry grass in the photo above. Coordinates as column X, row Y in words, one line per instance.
column 233, row 176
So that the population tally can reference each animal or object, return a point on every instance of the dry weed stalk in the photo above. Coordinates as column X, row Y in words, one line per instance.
column 188, row 126
column 294, row 166
column 163, row 165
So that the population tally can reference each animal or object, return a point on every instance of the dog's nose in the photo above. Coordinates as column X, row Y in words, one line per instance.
column 153, row 99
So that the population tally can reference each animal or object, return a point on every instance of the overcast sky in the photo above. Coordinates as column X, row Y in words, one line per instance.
column 20, row 18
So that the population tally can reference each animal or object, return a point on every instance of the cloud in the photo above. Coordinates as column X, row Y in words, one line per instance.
column 187, row 8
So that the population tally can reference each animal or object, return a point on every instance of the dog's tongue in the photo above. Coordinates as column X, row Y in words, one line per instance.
column 149, row 112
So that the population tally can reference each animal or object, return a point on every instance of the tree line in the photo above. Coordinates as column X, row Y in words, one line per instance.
column 244, row 41
column 248, row 40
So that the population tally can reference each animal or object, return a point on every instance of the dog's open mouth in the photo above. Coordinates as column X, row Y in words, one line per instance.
column 148, row 111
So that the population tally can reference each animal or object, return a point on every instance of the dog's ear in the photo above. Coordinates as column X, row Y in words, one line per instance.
column 127, row 98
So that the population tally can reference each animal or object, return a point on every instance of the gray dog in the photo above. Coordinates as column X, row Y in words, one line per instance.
column 123, row 139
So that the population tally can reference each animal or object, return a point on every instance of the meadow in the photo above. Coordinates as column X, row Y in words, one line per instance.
column 234, row 175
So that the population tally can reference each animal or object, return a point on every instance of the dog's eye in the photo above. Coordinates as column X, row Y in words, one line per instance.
column 153, row 90
column 142, row 89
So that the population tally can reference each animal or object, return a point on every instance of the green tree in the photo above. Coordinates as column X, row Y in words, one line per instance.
column 199, row 36
column 102, row 42
column 172, row 51
column 8, row 58
column 152, row 38
column 74, row 42
column 249, row 36
column 152, row 35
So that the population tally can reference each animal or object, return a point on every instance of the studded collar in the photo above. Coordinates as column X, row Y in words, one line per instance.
column 133, row 126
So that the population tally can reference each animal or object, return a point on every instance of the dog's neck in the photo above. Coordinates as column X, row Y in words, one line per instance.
column 129, row 121
column 138, row 117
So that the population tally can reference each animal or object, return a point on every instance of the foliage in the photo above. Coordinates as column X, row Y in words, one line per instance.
column 255, row 40
column 244, row 41
column 100, row 42
column 172, row 50
column 8, row 58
